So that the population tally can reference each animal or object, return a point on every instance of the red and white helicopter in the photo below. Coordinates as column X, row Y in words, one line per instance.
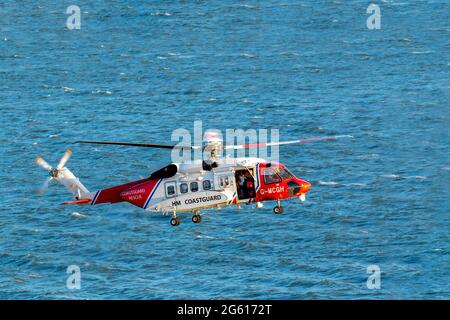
column 191, row 187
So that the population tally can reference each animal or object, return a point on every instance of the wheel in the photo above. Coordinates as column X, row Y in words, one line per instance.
column 174, row 222
column 196, row 218
column 278, row 210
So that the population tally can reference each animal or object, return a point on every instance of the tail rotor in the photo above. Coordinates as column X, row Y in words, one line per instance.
column 44, row 186
column 64, row 159
column 53, row 172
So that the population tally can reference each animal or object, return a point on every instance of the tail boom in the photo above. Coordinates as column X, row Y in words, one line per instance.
column 124, row 192
column 138, row 193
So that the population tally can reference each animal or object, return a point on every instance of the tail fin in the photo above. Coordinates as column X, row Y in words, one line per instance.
column 82, row 195
column 65, row 177
column 73, row 184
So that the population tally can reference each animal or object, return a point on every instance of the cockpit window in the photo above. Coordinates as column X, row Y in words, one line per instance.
column 270, row 176
column 284, row 174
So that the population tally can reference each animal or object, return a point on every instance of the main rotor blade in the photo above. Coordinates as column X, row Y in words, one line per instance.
column 144, row 145
column 269, row 144
column 44, row 187
column 64, row 159
column 42, row 163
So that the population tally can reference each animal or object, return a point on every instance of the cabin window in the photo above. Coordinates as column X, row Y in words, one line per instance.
column 224, row 181
column 270, row 176
column 194, row 186
column 206, row 185
column 171, row 190
column 184, row 188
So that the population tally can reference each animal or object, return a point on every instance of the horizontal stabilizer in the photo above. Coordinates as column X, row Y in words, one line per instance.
column 81, row 201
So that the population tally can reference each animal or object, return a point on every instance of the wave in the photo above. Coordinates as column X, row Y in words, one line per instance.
column 102, row 92
column 328, row 183
column 159, row 14
column 247, row 6
column 78, row 215
column 390, row 176
column 68, row 89
column 396, row 176
column 368, row 156
column 416, row 177
column 356, row 184
column 204, row 237
column 422, row 52
column 247, row 55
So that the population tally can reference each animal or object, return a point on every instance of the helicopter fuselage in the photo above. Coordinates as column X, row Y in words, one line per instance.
column 211, row 183
column 188, row 187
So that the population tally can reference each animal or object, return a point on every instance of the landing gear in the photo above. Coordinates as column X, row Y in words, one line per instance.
column 174, row 221
column 196, row 218
column 278, row 208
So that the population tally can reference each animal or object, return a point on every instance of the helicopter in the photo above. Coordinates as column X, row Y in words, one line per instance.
column 191, row 187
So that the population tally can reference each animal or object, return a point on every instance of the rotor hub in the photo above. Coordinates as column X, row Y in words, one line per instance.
column 54, row 173
column 213, row 145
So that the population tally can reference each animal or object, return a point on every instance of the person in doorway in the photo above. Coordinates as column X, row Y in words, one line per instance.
column 241, row 185
column 249, row 186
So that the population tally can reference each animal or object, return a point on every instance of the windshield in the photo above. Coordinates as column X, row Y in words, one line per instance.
column 270, row 176
column 284, row 174
column 274, row 175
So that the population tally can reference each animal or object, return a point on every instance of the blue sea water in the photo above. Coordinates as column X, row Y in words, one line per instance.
column 137, row 70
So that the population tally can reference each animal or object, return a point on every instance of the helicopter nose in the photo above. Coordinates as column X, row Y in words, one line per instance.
column 306, row 186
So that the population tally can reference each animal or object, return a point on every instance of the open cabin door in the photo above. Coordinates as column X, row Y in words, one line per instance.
column 245, row 183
